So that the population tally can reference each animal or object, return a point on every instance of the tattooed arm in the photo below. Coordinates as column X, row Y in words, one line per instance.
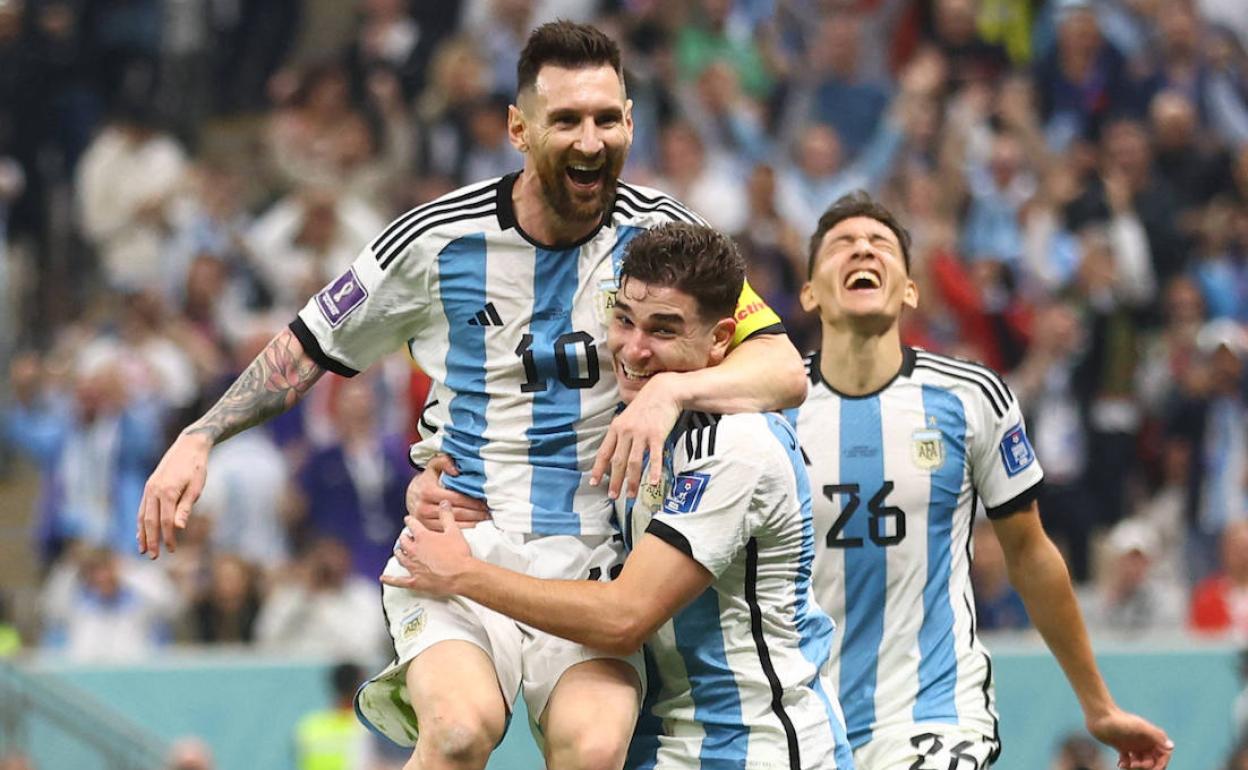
column 270, row 385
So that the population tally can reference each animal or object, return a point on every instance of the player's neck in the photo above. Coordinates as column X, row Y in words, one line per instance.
column 856, row 364
column 538, row 220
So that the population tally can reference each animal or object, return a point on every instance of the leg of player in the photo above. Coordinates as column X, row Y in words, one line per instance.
column 459, row 707
column 589, row 718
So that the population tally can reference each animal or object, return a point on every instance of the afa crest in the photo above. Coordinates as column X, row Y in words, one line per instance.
column 412, row 624
column 605, row 299
column 927, row 449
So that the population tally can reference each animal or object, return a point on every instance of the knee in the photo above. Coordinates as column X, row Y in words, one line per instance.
column 461, row 740
column 589, row 749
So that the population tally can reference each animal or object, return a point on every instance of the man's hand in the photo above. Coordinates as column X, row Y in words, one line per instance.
column 425, row 495
column 1140, row 744
column 170, row 492
column 643, row 426
column 432, row 559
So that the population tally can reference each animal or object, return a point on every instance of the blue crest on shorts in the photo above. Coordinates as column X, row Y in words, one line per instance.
column 1016, row 451
column 686, row 492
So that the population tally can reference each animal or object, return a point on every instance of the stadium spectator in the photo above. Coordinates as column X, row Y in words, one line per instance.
column 353, row 489
column 1207, row 412
column 321, row 608
column 126, row 182
column 190, row 754
column 332, row 738
column 307, row 238
column 830, row 87
column 226, row 609
column 1078, row 752
column 99, row 606
column 998, row 607
column 703, row 178
column 1130, row 598
column 92, row 442
column 1220, row 602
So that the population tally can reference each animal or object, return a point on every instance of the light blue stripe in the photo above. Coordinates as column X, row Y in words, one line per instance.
column 556, row 410
column 862, row 463
column 716, row 700
column 461, row 279
column 625, row 236
column 938, row 665
column 814, row 627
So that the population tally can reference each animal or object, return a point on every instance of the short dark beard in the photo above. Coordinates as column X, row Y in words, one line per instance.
column 559, row 199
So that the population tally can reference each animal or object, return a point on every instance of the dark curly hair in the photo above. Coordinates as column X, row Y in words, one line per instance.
column 695, row 259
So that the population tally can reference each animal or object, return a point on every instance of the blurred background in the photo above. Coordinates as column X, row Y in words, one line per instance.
column 178, row 176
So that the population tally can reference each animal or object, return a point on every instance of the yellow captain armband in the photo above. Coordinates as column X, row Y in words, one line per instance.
column 754, row 316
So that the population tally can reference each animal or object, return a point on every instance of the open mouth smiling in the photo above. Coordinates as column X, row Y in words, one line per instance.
column 863, row 280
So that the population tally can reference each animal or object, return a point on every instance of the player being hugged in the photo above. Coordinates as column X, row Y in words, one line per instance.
column 717, row 582
column 501, row 291
column 903, row 445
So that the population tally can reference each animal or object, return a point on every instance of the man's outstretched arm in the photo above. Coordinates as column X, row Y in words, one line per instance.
column 270, row 385
column 615, row 616
column 763, row 373
column 1037, row 570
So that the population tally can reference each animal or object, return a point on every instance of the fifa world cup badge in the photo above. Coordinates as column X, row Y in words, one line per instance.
column 606, row 299
column 928, row 450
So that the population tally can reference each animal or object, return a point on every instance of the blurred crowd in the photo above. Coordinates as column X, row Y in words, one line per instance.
column 178, row 176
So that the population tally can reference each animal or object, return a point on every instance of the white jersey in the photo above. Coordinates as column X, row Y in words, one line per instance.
column 898, row 475
column 513, row 336
column 738, row 678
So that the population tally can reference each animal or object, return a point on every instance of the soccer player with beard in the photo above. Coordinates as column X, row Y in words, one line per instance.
column 502, row 292
column 717, row 583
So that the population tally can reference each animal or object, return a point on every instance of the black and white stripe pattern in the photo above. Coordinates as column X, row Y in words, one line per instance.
column 633, row 203
column 699, row 431
column 479, row 201
column 988, row 381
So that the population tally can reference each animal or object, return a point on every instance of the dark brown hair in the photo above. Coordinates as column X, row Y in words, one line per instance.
column 695, row 259
column 857, row 204
column 565, row 44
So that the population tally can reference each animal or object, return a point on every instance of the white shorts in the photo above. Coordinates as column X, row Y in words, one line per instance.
column 928, row 747
column 522, row 656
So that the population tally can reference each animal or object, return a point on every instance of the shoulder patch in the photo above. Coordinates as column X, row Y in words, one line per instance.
column 337, row 300
column 1016, row 451
column 686, row 492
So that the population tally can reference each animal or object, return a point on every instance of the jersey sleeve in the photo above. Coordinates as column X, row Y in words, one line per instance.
column 708, row 510
column 365, row 313
column 1004, row 467
column 754, row 316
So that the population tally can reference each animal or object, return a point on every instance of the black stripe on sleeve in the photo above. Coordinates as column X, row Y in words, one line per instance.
column 776, row 328
column 764, row 655
column 314, row 351
column 671, row 536
column 997, row 408
column 1016, row 503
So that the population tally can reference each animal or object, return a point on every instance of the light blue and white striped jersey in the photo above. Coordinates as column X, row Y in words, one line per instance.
column 897, row 476
column 738, row 678
column 511, row 332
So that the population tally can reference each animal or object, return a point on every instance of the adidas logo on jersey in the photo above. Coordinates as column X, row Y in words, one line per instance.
column 486, row 316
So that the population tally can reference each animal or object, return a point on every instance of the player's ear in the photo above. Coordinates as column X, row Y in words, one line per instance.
column 721, row 339
column 910, row 296
column 517, row 124
column 807, row 297
column 628, row 118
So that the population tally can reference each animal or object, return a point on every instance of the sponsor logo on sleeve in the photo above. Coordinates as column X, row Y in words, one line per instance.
column 1016, row 451
column 344, row 295
column 686, row 492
